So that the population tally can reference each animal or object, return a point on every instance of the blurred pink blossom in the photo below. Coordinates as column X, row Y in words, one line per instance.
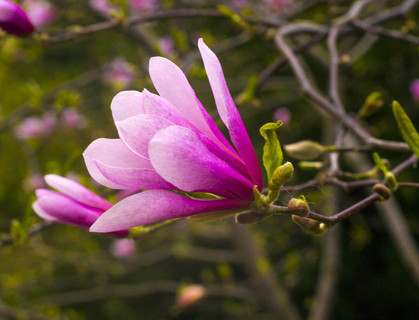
column 34, row 181
column 123, row 248
column 72, row 119
column 414, row 89
column 166, row 45
column 239, row 3
column 40, row 12
column 36, row 127
column 190, row 295
column 278, row 4
column 282, row 114
column 119, row 73
column 102, row 6
column 144, row 4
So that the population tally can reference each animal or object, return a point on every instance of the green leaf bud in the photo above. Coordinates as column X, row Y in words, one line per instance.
column 391, row 180
column 406, row 127
column 305, row 150
column 282, row 174
column 373, row 102
column 272, row 152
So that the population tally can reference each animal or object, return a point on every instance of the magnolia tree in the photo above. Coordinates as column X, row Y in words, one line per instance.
column 284, row 189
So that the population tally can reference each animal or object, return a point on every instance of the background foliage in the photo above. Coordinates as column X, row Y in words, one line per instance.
column 65, row 272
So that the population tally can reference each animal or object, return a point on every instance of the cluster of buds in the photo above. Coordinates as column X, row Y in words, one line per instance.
column 299, row 209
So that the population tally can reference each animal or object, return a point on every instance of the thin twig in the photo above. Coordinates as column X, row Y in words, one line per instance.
column 385, row 32
column 8, row 239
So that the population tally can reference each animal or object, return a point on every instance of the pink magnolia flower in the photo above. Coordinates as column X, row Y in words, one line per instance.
column 75, row 204
column 36, row 127
column 190, row 295
column 119, row 73
column 72, row 119
column 278, row 4
column 282, row 114
column 123, row 248
column 414, row 89
column 40, row 12
column 144, row 4
column 14, row 20
column 168, row 142
column 166, row 45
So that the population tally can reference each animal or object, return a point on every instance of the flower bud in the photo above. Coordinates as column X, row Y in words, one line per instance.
column 309, row 225
column 247, row 217
column 14, row 20
column 305, row 150
column 298, row 206
column 382, row 191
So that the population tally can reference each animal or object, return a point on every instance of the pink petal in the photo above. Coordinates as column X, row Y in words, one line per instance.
column 59, row 207
column 182, row 159
column 228, row 112
column 77, row 192
column 157, row 205
column 172, row 85
column 41, row 213
column 112, row 153
column 126, row 104
column 133, row 178
column 158, row 106
column 137, row 131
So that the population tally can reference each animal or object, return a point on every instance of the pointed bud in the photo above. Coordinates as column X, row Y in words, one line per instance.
column 247, row 217
column 382, row 191
column 309, row 225
column 298, row 206
column 305, row 150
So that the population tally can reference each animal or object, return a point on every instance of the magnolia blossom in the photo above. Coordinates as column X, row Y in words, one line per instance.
column 119, row 73
column 190, row 295
column 166, row 46
column 278, row 4
column 14, row 20
column 72, row 119
column 102, row 6
column 123, row 248
column 36, row 127
column 144, row 4
column 40, row 12
column 282, row 114
column 168, row 143
column 414, row 89
column 75, row 204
